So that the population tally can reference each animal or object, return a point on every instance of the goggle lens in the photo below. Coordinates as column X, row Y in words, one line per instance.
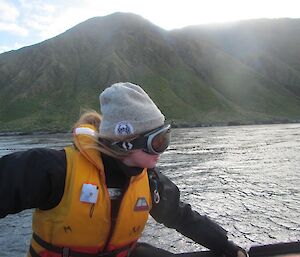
column 160, row 142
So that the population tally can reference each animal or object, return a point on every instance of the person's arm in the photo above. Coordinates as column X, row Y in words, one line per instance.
column 31, row 179
column 173, row 213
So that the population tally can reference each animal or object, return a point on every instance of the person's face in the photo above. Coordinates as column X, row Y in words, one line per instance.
column 141, row 159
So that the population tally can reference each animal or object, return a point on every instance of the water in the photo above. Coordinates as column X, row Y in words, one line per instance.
column 246, row 178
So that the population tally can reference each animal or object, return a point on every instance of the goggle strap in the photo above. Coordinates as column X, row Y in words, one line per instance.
column 139, row 143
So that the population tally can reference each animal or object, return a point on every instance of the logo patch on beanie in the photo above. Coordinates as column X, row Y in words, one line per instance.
column 124, row 128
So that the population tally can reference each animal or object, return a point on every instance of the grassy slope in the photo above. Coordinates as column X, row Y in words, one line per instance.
column 212, row 76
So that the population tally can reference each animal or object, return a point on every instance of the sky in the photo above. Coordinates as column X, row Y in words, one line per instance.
column 27, row 22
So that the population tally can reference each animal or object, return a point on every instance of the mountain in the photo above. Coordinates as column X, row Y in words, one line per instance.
column 245, row 72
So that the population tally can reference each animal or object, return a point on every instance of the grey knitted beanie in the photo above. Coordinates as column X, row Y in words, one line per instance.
column 127, row 110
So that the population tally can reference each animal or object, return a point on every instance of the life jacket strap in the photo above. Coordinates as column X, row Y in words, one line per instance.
column 67, row 252
column 32, row 252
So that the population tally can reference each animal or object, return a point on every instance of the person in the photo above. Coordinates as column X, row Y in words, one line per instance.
column 93, row 198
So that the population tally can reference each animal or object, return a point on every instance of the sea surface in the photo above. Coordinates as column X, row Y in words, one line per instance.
column 246, row 178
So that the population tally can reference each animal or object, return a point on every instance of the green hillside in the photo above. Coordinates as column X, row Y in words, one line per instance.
column 245, row 72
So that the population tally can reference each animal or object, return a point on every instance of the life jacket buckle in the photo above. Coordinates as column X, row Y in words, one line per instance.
column 65, row 252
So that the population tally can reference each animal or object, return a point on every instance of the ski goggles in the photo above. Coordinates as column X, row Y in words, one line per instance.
column 153, row 142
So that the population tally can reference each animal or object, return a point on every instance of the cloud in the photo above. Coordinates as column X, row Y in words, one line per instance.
column 13, row 29
column 9, row 15
column 42, row 17
column 8, row 12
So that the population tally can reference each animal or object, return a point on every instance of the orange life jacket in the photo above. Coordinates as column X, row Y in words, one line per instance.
column 84, row 226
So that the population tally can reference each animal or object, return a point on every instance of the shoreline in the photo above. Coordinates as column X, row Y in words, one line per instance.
column 173, row 123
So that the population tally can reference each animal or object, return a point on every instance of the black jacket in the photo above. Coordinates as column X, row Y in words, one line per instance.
column 36, row 178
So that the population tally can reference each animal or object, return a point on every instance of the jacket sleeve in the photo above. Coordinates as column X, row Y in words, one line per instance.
column 31, row 179
column 173, row 213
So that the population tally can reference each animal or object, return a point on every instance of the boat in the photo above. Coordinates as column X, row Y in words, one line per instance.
column 289, row 249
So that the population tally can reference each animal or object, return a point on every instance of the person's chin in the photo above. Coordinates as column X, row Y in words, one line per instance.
column 152, row 165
